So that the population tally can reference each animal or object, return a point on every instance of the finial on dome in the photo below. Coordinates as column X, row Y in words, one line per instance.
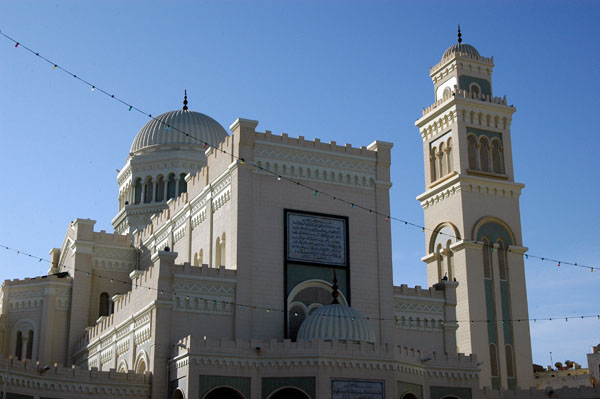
column 185, row 102
column 335, row 292
column 459, row 35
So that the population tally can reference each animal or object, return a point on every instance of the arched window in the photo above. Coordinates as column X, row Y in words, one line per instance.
column 502, row 260
column 222, row 393
column 198, row 261
column 472, row 149
column 138, row 191
column 487, row 259
column 484, row 154
column 474, row 89
column 494, row 360
column 141, row 367
column 447, row 92
column 160, row 189
column 218, row 252
column 182, row 184
column 497, row 157
column 432, row 159
column 289, row 393
column 510, row 365
column 442, row 159
column 29, row 353
column 304, row 299
column 178, row 394
column 148, row 194
column 449, row 155
column 103, row 308
column 171, row 187
column 19, row 345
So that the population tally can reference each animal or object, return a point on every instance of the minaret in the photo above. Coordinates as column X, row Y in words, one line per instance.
column 472, row 218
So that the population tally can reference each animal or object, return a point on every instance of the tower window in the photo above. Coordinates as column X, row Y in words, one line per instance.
column 182, row 184
column 484, row 154
column 497, row 157
column 103, row 307
column 148, row 191
column 171, row 187
column 138, row 191
column 494, row 360
column 475, row 90
column 160, row 189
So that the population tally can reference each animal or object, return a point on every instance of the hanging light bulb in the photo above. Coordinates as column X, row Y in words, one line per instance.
column 130, row 107
column 387, row 219
column 93, row 88
column 54, row 67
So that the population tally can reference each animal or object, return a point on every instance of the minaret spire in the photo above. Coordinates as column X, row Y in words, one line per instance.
column 459, row 35
column 335, row 292
column 185, row 102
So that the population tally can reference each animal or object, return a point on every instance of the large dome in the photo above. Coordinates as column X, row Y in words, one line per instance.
column 201, row 127
column 336, row 321
column 460, row 48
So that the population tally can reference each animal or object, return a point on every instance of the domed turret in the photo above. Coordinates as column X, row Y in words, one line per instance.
column 336, row 321
column 460, row 49
column 166, row 150
column 166, row 131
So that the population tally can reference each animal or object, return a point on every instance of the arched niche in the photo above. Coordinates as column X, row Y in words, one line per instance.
column 224, row 392
column 494, row 229
column 289, row 393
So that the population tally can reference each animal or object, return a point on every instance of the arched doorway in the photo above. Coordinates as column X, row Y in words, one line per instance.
column 177, row 394
column 409, row 396
column 224, row 393
column 289, row 393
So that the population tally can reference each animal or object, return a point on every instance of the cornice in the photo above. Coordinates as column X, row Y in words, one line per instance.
column 460, row 182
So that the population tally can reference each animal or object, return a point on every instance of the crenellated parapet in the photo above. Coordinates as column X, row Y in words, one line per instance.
column 204, row 352
column 37, row 380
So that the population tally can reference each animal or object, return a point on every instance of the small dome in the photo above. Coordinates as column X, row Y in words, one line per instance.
column 202, row 127
column 460, row 48
column 336, row 321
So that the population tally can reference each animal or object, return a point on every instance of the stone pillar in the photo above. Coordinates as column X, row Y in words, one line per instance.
column 160, row 352
column 80, row 268
column 450, row 322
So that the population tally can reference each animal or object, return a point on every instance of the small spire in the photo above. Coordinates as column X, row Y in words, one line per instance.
column 185, row 102
column 459, row 35
column 335, row 292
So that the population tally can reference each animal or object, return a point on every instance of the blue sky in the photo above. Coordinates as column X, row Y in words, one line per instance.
column 349, row 71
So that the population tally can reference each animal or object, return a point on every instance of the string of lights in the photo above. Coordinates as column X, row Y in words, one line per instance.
column 130, row 284
column 280, row 177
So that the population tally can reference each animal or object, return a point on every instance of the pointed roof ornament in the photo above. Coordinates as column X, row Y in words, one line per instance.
column 459, row 35
column 335, row 292
column 185, row 101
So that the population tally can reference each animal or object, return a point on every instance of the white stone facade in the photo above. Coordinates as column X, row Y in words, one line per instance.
column 197, row 296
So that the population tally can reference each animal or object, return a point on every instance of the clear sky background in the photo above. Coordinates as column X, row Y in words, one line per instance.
column 349, row 71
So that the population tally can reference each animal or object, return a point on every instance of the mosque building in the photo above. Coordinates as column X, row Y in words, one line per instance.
column 246, row 264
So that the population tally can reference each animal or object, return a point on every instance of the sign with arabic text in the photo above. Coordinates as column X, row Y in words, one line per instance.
column 316, row 239
column 349, row 389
